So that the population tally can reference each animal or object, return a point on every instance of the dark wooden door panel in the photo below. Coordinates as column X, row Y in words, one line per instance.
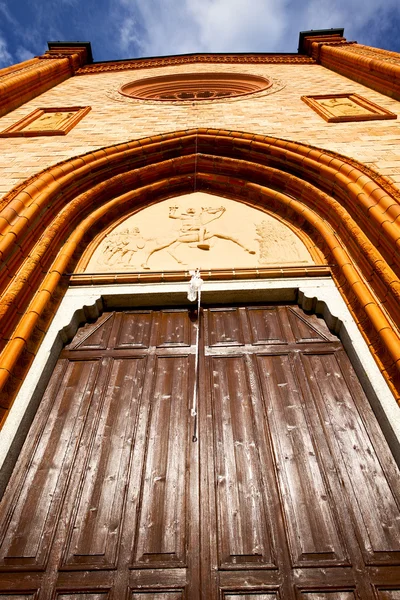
column 389, row 594
column 244, row 539
column 17, row 596
column 174, row 328
column 307, row 328
column 338, row 595
column 32, row 504
column 160, row 580
column 296, row 496
column 266, row 326
column 134, row 330
column 82, row 596
column 309, row 508
column 371, row 494
column 223, row 327
column 255, row 596
column 94, row 337
column 161, row 533
column 168, row 595
column 98, row 499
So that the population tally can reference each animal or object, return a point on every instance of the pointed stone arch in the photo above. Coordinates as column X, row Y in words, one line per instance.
column 350, row 213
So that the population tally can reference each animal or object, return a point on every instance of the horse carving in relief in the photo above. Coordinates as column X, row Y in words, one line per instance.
column 195, row 231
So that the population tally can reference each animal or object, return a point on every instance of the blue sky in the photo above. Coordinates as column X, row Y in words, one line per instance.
column 132, row 28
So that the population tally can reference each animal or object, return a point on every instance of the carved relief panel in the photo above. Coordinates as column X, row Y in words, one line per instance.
column 339, row 108
column 47, row 121
column 196, row 230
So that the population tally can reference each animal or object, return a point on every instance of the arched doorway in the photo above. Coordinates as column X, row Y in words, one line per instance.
column 331, row 200
column 347, row 210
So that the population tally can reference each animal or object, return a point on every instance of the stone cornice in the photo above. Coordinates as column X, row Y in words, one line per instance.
column 167, row 61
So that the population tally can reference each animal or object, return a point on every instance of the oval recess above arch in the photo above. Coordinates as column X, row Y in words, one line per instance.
column 195, row 86
column 351, row 215
column 197, row 230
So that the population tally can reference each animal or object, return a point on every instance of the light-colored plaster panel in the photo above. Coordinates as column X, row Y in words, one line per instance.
column 198, row 231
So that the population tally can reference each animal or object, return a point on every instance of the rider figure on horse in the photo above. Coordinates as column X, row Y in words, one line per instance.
column 193, row 228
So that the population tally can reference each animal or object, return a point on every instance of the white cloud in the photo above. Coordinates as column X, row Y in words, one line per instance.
column 23, row 54
column 354, row 14
column 129, row 28
column 128, row 35
column 175, row 27
column 363, row 20
column 226, row 24
column 5, row 56
column 161, row 27
column 7, row 15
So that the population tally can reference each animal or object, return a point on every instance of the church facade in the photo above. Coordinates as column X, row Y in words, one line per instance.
column 239, row 442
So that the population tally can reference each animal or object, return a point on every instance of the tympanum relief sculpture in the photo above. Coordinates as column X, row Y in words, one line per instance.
column 197, row 230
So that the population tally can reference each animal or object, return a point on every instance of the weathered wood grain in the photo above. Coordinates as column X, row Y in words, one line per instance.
column 308, row 505
column 289, row 493
column 338, row 595
column 243, row 537
column 100, row 498
column 370, row 491
column 33, row 503
column 161, row 534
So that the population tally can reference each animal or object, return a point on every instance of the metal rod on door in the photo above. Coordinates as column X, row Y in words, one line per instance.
column 194, row 293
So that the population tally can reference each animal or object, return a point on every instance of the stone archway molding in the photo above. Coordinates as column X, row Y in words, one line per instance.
column 352, row 216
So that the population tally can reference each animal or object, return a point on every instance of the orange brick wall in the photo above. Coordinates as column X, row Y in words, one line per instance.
column 281, row 114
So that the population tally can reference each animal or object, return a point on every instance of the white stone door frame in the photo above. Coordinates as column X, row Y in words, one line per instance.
column 83, row 303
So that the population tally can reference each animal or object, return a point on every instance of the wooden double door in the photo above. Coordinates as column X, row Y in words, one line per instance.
column 289, row 492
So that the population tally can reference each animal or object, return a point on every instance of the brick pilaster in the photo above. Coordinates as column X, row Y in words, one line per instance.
column 377, row 69
column 21, row 83
column 373, row 67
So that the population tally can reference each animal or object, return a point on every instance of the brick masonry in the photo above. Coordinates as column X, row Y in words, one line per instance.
column 280, row 114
